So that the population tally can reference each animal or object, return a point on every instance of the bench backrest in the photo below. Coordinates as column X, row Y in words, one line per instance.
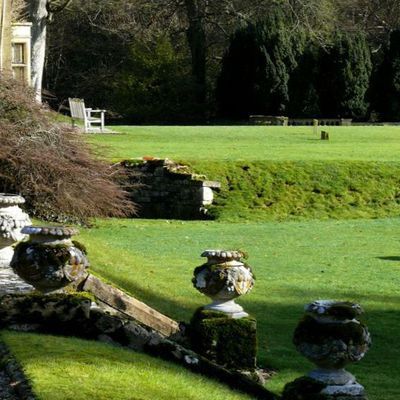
column 77, row 108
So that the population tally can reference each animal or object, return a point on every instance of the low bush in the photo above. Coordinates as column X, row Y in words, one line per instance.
column 51, row 165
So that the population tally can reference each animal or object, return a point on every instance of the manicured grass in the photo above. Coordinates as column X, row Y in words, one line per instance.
column 250, row 143
column 282, row 190
column 72, row 369
column 294, row 263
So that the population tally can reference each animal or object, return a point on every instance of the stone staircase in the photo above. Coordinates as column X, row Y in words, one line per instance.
column 11, row 283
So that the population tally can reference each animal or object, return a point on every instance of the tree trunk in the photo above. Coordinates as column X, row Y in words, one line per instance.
column 39, row 15
column 196, row 36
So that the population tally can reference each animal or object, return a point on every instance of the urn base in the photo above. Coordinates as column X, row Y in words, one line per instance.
column 310, row 388
column 332, row 376
column 339, row 382
column 228, row 307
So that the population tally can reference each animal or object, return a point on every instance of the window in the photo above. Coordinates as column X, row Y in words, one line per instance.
column 19, row 65
column 18, row 54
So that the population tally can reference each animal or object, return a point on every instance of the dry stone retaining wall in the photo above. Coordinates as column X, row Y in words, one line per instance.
column 162, row 188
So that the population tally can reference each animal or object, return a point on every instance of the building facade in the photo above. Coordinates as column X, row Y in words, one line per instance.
column 15, row 45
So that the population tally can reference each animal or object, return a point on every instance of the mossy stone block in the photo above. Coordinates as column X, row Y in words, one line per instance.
column 227, row 341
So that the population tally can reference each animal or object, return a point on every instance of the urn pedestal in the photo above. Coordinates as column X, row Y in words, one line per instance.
column 50, row 260
column 222, row 331
column 12, row 220
column 331, row 335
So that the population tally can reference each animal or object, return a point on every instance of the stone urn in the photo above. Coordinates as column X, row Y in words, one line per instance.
column 50, row 260
column 223, row 278
column 12, row 219
column 331, row 335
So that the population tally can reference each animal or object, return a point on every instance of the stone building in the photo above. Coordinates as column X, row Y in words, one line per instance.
column 15, row 44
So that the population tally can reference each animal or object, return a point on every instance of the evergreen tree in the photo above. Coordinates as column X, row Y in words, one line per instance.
column 344, row 76
column 304, row 97
column 385, row 86
column 255, row 69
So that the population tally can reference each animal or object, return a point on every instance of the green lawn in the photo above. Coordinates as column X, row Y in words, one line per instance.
column 294, row 262
column 250, row 143
column 72, row 369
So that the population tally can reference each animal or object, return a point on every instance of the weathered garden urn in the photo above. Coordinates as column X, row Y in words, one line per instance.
column 12, row 219
column 331, row 335
column 50, row 260
column 223, row 278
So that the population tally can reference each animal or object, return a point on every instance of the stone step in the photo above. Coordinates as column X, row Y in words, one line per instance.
column 11, row 283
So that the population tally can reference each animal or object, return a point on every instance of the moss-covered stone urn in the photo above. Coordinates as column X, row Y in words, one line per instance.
column 223, row 278
column 332, row 335
column 12, row 219
column 50, row 260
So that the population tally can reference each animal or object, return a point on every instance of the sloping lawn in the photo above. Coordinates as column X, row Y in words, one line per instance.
column 294, row 263
column 73, row 369
column 251, row 143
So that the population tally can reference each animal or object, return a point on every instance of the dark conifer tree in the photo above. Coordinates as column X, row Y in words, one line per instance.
column 344, row 76
column 256, row 69
column 385, row 86
column 304, row 98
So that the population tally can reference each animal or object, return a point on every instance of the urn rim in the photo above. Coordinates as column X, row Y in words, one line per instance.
column 57, row 231
column 11, row 198
column 223, row 254
column 325, row 308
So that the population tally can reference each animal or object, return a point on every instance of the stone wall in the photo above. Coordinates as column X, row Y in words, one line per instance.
column 162, row 188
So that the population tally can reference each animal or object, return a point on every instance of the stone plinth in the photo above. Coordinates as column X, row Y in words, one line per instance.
column 227, row 341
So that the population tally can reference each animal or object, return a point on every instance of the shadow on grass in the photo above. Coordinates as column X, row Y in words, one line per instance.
column 390, row 258
column 277, row 320
column 276, row 323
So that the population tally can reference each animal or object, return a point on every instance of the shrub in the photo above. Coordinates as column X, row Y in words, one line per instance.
column 51, row 165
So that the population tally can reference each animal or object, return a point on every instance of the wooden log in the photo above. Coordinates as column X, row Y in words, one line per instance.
column 131, row 307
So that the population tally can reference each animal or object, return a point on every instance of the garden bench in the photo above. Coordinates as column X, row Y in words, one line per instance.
column 80, row 112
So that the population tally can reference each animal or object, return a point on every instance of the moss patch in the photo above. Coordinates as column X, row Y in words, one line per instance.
column 227, row 341
column 303, row 388
column 56, row 313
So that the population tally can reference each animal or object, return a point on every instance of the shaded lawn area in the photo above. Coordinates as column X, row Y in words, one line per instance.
column 294, row 262
column 251, row 143
column 73, row 369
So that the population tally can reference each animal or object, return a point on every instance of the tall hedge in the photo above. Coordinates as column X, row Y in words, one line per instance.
column 303, row 85
column 385, row 88
column 256, row 68
column 344, row 76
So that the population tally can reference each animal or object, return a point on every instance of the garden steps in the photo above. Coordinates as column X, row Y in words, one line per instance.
column 11, row 283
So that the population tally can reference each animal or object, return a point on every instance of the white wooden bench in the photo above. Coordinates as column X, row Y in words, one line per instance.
column 80, row 112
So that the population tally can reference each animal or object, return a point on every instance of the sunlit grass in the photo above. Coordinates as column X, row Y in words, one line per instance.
column 251, row 143
column 294, row 263
column 73, row 369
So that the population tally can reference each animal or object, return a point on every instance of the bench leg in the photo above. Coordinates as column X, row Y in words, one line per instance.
column 102, row 122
